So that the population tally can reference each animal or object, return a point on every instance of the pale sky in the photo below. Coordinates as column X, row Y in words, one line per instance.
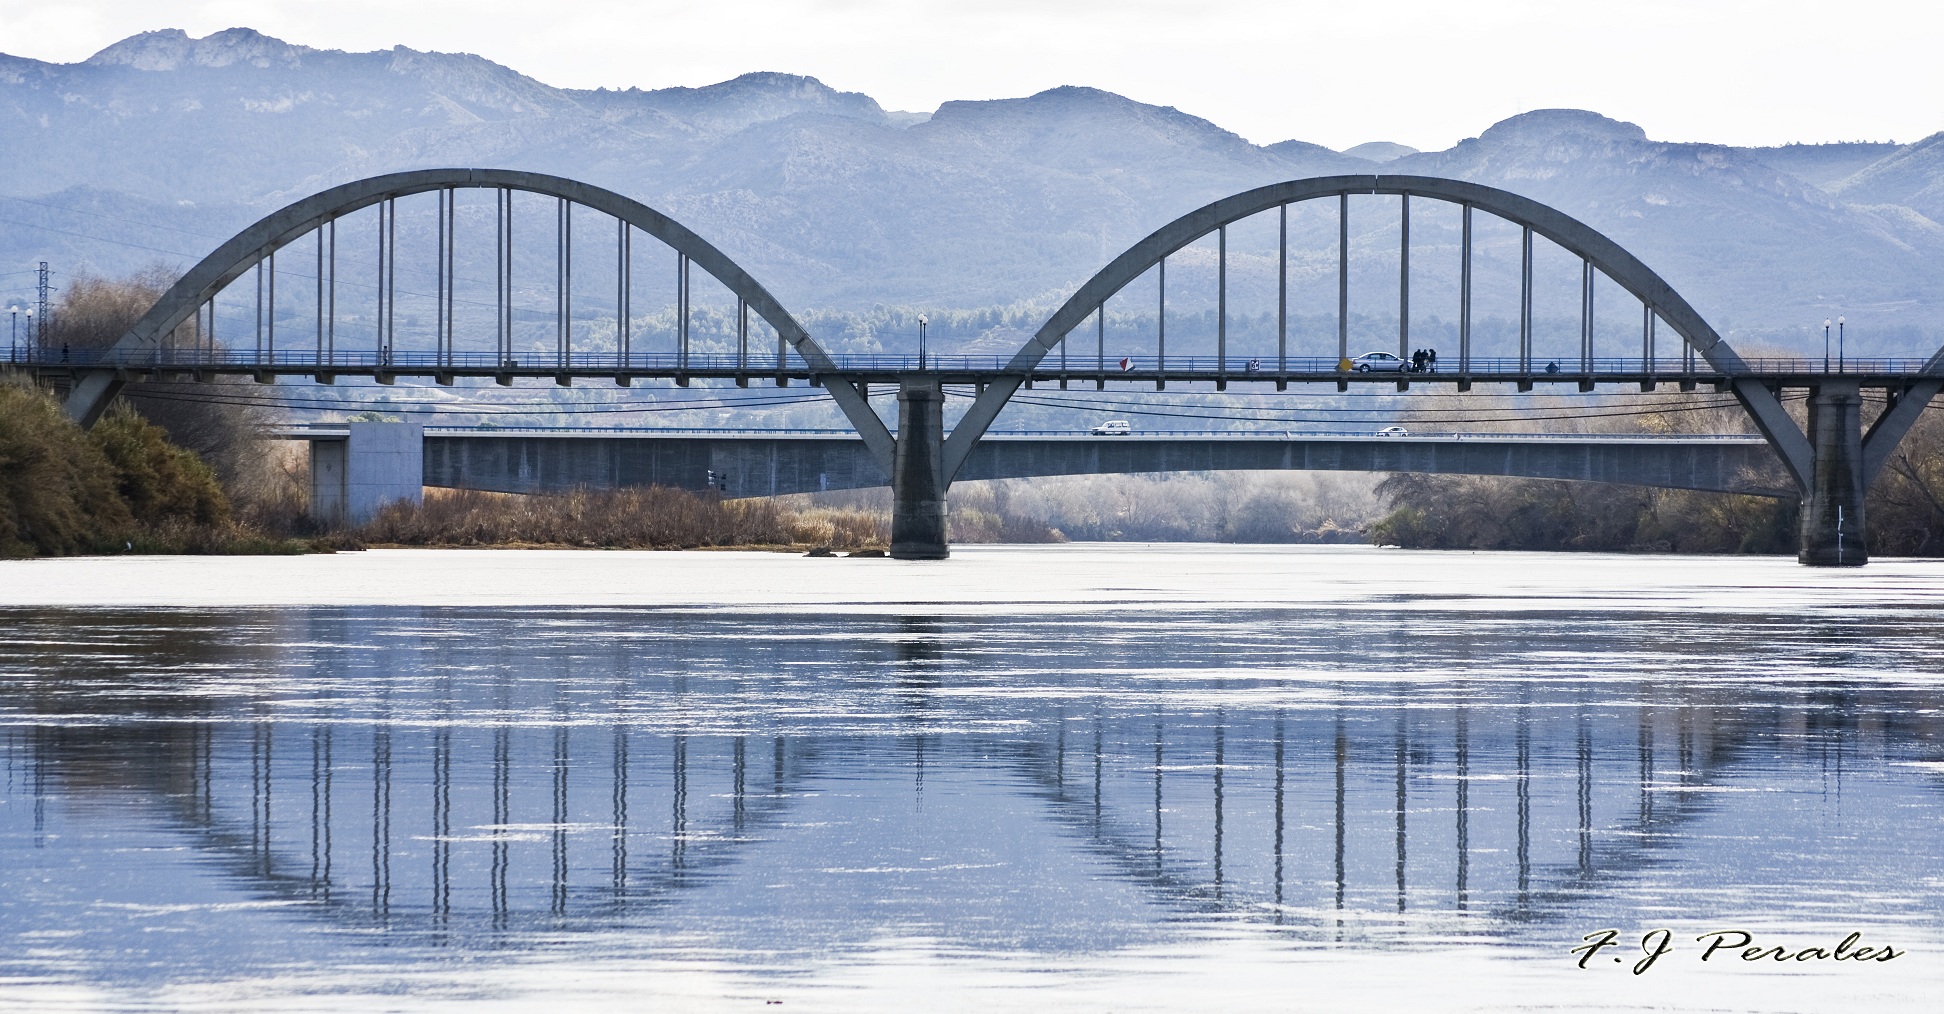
column 1422, row 72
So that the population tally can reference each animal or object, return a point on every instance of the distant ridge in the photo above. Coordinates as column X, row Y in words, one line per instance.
column 160, row 145
column 1380, row 151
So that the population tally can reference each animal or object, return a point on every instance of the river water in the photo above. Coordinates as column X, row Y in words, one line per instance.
column 1073, row 777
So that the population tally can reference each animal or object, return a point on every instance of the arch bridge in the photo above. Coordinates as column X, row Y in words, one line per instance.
column 348, row 324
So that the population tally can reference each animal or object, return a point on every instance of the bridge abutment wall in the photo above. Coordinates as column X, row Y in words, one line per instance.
column 374, row 464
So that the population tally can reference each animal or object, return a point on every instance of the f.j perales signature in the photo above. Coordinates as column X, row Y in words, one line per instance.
column 1728, row 946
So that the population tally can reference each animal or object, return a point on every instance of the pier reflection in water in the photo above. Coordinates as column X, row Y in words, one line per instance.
column 710, row 783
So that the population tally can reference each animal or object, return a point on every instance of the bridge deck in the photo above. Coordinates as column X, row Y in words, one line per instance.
column 768, row 463
column 976, row 370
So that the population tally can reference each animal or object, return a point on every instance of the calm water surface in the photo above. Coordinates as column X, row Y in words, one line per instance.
column 1117, row 778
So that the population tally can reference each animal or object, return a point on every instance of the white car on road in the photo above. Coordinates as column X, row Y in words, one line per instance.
column 1113, row 428
column 1380, row 362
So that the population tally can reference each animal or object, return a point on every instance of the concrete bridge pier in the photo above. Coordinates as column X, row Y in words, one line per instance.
column 354, row 476
column 917, row 475
column 1832, row 513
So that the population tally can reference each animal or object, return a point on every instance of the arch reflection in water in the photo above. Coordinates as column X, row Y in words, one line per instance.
column 441, row 771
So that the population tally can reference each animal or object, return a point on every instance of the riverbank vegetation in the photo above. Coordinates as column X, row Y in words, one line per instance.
column 1905, row 510
column 655, row 517
column 651, row 517
column 120, row 487
column 1238, row 507
column 1490, row 512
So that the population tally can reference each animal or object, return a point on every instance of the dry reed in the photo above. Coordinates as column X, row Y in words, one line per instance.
column 650, row 517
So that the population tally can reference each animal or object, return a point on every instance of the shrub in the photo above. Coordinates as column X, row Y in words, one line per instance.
column 119, row 487
column 1493, row 512
column 159, row 481
column 57, row 489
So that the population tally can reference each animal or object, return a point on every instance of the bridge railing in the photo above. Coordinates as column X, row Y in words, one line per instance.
column 1372, row 432
column 668, row 363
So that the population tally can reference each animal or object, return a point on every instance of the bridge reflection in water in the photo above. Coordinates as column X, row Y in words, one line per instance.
column 403, row 770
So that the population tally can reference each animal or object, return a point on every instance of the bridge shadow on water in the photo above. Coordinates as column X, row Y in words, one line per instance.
column 710, row 782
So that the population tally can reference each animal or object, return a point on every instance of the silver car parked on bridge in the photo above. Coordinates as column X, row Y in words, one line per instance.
column 1380, row 362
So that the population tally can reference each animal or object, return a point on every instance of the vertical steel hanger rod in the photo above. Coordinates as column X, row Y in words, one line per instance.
column 1100, row 338
column 1343, row 277
column 391, row 277
column 1161, row 321
column 1586, row 316
column 259, row 311
column 1282, row 289
column 320, row 294
column 1525, row 301
column 1404, row 278
column 1464, row 289
column 682, row 310
column 1221, row 301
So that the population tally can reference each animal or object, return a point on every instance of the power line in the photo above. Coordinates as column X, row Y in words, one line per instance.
column 1388, row 409
column 459, row 408
column 111, row 218
column 97, row 239
column 1452, row 415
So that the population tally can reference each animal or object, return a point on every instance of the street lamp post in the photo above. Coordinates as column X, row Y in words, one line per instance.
column 1825, row 344
column 921, row 340
column 1839, row 345
column 32, row 340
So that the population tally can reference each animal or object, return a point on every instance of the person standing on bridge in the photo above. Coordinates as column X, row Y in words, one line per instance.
column 1431, row 359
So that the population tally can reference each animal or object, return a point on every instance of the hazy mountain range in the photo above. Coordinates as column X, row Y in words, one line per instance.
column 160, row 146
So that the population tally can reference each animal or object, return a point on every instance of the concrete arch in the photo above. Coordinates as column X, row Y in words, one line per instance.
column 92, row 393
column 1570, row 233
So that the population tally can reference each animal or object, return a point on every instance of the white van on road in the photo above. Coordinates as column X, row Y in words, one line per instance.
column 1113, row 428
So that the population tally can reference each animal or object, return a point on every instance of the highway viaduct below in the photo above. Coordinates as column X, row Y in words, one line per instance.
column 357, row 467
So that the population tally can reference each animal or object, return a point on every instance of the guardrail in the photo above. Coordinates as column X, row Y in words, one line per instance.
column 672, row 364
column 308, row 431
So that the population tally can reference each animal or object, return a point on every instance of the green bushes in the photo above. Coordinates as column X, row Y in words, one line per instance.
column 120, row 487
column 158, row 480
column 57, row 489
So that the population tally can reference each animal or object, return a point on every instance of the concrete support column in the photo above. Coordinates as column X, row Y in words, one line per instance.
column 1832, row 514
column 917, row 475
